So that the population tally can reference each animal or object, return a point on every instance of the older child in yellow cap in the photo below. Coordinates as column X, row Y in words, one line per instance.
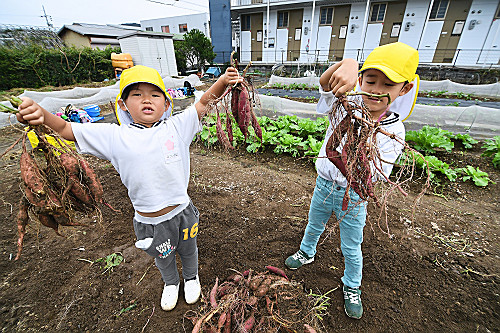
column 151, row 154
column 389, row 69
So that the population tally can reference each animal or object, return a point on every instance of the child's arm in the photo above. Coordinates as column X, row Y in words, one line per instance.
column 230, row 77
column 34, row 114
column 341, row 77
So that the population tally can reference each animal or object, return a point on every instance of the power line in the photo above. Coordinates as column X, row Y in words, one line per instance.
column 184, row 1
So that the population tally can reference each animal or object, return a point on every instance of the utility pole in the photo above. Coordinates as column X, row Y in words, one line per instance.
column 47, row 17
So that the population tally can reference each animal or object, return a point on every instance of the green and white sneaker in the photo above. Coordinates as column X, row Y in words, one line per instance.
column 298, row 259
column 352, row 302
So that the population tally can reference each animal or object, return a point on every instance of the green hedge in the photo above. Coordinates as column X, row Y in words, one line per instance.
column 34, row 67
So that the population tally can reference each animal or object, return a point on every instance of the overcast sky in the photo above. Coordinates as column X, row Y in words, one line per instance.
column 61, row 12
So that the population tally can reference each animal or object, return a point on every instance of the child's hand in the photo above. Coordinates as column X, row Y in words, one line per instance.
column 30, row 112
column 231, row 76
column 341, row 77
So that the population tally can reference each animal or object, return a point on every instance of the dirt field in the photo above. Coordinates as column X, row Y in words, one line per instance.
column 438, row 273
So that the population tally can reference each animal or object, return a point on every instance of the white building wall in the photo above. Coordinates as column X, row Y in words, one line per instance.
column 474, row 35
column 314, row 34
column 269, row 54
column 246, row 46
column 413, row 22
column 194, row 21
column 157, row 53
column 130, row 45
column 354, row 31
column 429, row 41
column 372, row 39
column 491, row 52
column 281, row 45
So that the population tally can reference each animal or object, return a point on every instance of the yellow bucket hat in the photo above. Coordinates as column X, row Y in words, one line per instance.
column 137, row 74
column 399, row 63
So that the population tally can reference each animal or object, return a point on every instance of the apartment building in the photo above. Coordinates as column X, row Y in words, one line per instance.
column 457, row 32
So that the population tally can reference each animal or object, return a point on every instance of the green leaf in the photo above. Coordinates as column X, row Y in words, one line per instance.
column 429, row 138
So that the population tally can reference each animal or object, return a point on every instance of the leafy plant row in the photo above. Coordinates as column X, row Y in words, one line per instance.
column 293, row 86
column 34, row 67
column 301, row 137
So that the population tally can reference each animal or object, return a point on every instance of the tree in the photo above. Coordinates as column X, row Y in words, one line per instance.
column 194, row 51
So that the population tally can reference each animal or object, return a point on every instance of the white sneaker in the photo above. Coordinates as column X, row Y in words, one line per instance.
column 169, row 296
column 192, row 290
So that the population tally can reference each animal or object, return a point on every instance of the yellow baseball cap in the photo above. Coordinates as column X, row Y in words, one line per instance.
column 138, row 74
column 397, row 61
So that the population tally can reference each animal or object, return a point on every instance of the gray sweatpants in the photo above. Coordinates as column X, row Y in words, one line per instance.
column 177, row 234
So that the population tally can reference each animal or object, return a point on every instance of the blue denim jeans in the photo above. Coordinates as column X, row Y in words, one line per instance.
column 327, row 199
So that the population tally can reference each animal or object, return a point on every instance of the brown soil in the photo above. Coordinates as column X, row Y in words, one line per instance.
column 439, row 272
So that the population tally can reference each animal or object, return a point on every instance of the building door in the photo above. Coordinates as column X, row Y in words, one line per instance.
column 393, row 21
column 448, row 40
column 294, row 34
column 157, row 54
column 257, row 36
column 339, row 32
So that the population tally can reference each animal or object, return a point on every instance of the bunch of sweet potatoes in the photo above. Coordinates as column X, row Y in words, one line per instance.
column 253, row 302
column 56, row 182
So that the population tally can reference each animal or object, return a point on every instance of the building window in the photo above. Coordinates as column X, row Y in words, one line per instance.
column 245, row 22
column 378, row 12
column 149, row 28
column 183, row 27
column 165, row 28
column 438, row 10
column 282, row 19
column 326, row 15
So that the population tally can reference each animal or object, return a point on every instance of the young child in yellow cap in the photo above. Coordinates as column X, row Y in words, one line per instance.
column 389, row 69
column 151, row 154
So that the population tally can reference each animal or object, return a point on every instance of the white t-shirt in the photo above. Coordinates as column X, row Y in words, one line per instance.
column 389, row 149
column 153, row 163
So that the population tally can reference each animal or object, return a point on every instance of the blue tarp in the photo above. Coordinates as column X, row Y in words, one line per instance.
column 215, row 71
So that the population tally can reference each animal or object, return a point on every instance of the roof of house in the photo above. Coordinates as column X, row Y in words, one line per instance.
column 146, row 33
column 110, row 30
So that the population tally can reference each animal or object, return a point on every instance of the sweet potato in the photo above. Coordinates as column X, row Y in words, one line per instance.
column 235, row 97
column 48, row 202
column 308, row 329
column 79, row 191
column 255, row 283
column 277, row 271
column 244, row 111
column 256, row 126
column 70, row 164
column 49, row 221
column 263, row 288
column 229, row 127
column 227, row 325
column 31, row 174
column 22, row 222
column 221, row 135
column 213, row 293
column 249, row 323
column 221, row 321
column 90, row 177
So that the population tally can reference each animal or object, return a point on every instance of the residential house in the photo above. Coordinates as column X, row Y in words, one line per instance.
column 94, row 35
